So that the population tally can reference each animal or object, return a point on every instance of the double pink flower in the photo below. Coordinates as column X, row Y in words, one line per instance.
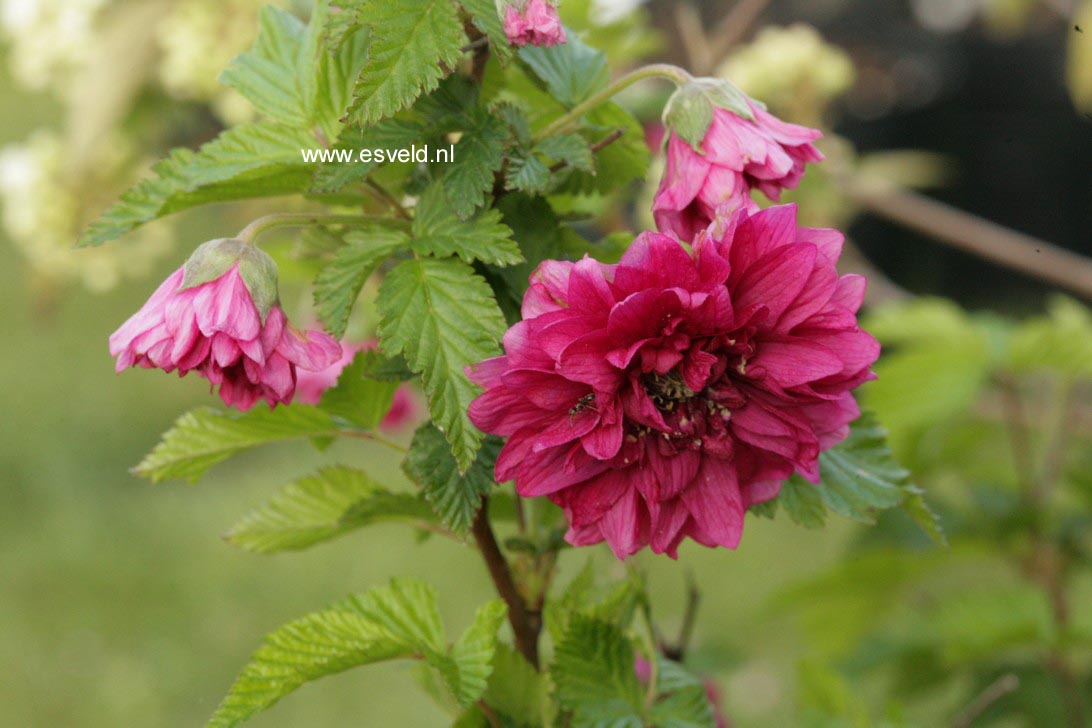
column 736, row 156
column 216, row 329
column 659, row 398
column 537, row 23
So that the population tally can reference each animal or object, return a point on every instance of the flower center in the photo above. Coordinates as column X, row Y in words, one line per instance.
column 667, row 390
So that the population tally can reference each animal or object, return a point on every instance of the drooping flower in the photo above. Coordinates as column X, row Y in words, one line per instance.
column 658, row 398
column 721, row 145
column 310, row 386
column 535, row 23
column 217, row 315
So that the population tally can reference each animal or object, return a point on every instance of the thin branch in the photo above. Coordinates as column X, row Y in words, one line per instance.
column 881, row 289
column 694, row 40
column 996, row 690
column 677, row 651
column 522, row 624
column 476, row 43
column 387, row 197
column 972, row 234
column 733, row 28
column 490, row 715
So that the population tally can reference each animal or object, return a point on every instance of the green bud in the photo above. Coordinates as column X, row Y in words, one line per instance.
column 216, row 257
column 689, row 111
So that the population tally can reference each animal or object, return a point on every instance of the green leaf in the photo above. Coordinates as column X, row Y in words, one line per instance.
column 860, row 475
column 358, row 398
column 594, row 671
column 572, row 149
column 527, row 174
column 682, row 701
column 803, row 502
column 250, row 160
column 471, row 662
column 292, row 76
column 339, row 282
column 689, row 111
column 477, row 158
column 267, row 75
column 388, row 135
column 204, row 437
column 443, row 318
column 572, row 71
column 438, row 231
column 413, row 40
column 320, row 507
column 397, row 621
column 485, row 17
column 617, row 164
column 456, row 498
column 517, row 690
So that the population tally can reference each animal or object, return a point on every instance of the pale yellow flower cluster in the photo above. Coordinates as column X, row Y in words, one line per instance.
column 46, row 205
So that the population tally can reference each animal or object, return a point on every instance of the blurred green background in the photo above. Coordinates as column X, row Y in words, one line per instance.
column 121, row 605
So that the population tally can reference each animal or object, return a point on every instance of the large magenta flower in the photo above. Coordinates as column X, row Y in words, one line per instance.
column 216, row 329
column 310, row 386
column 735, row 156
column 536, row 23
column 659, row 398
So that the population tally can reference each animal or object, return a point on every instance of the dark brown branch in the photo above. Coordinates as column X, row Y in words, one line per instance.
column 972, row 234
column 523, row 625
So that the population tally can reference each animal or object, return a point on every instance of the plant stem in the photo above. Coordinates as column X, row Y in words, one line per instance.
column 256, row 227
column 996, row 690
column 523, row 626
column 655, row 70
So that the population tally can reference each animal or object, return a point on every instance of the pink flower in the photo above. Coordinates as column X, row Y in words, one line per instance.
column 310, row 386
column 536, row 24
column 659, row 398
column 735, row 156
column 216, row 329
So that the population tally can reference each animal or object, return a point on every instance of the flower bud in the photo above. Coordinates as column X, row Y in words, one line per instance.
column 533, row 22
column 721, row 144
column 216, row 257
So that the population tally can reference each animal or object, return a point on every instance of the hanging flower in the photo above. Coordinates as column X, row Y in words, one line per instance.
column 310, row 385
column 721, row 145
column 217, row 315
column 658, row 398
column 535, row 23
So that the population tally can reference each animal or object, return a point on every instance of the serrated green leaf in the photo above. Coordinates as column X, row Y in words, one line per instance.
column 485, row 17
column 572, row 71
column 339, row 282
column 413, row 40
column 203, row 437
column 292, row 76
column 442, row 317
column 250, row 160
column 594, row 671
column 268, row 74
column 860, row 476
column 471, row 662
column 388, row 135
column 320, row 507
column 397, row 621
column 456, row 498
column 438, row 231
column 357, row 398
column 803, row 502
column 572, row 149
column 477, row 158
column 378, row 365
column 681, row 699
column 516, row 690
column 925, row 517
column 527, row 174
column 617, row 164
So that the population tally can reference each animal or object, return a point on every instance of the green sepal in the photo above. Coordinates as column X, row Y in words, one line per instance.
column 689, row 111
column 215, row 258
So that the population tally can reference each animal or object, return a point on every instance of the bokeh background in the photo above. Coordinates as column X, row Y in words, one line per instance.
column 121, row 605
